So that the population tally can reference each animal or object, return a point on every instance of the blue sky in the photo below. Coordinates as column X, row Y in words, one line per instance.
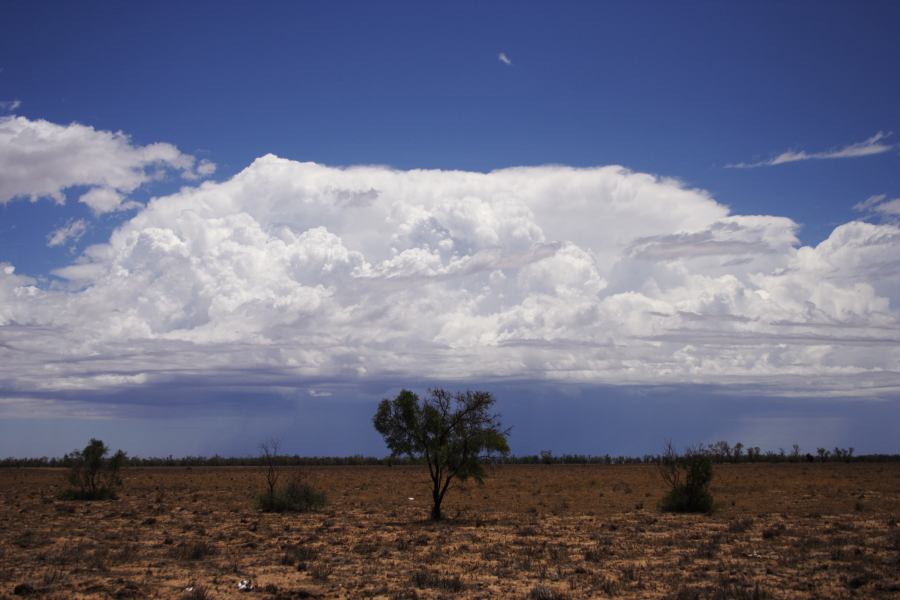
column 689, row 93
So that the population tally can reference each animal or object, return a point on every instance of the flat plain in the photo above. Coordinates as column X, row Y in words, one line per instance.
column 792, row 530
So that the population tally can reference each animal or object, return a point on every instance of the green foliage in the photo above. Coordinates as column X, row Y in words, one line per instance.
column 296, row 496
column 453, row 433
column 92, row 475
column 689, row 478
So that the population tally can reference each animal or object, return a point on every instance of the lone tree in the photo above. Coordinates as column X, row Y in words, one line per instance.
column 269, row 458
column 453, row 432
column 94, row 476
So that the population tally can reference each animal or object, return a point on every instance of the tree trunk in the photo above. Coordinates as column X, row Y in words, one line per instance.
column 436, row 507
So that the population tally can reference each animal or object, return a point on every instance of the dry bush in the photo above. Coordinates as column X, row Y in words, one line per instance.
column 740, row 525
column 688, row 478
column 427, row 579
column 296, row 496
column 298, row 555
column 194, row 550
column 596, row 553
column 321, row 571
column 92, row 475
column 774, row 531
column 542, row 592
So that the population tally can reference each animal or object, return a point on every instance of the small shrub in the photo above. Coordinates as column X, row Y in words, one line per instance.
column 30, row 539
column 597, row 553
column 692, row 494
column 686, row 593
column 427, row 579
column 542, row 592
column 894, row 541
column 740, row 525
column 296, row 496
column 321, row 571
column 195, row 550
column 773, row 531
column 738, row 590
column 92, row 475
column 298, row 555
column 605, row 584
column 708, row 549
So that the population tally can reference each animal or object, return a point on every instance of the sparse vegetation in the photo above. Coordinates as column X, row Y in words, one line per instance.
column 542, row 592
column 92, row 475
column 299, row 555
column 512, row 536
column 740, row 525
column 194, row 550
column 296, row 496
column 428, row 579
column 714, row 451
column 688, row 478
column 269, row 457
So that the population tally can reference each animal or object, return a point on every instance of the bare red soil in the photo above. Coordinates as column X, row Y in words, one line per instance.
column 542, row 532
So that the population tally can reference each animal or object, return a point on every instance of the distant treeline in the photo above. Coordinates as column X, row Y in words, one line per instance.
column 720, row 452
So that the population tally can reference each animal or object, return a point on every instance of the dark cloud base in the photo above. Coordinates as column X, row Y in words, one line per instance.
column 192, row 418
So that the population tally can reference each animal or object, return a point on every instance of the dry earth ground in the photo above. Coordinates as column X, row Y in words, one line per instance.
column 542, row 532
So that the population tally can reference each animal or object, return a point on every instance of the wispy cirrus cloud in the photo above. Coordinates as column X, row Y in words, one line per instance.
column 502, row 57
column 10, row 105
column 873, row 145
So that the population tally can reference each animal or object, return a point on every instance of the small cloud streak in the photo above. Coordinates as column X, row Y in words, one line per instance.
column 10, row 105
column 879, row 204
column 70, row 232
column 869, row 147
column 502, row 57
column 103, row 200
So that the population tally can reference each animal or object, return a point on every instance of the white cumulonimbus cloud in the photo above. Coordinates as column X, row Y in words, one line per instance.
column 295, row 272
column 40, row 159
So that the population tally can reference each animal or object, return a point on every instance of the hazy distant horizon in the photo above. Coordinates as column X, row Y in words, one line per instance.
column 596, row 421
